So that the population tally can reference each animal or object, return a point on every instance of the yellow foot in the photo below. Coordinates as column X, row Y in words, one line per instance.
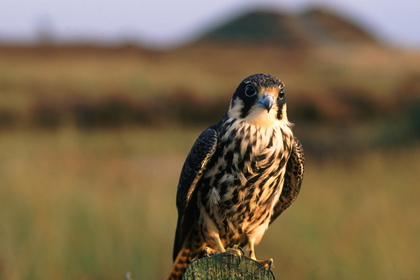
column 207, row 252
column 268, row 264
column 235, row 250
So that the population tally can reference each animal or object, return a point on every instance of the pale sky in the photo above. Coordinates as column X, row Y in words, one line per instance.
column 169, row 22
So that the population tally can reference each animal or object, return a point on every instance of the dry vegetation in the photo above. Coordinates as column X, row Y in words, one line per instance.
column 78, row 205
column 52, row 86
column 92, row 141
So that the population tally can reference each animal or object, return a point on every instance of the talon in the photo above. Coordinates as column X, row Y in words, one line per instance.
column 236, row 250
column 251, row 254
column 268, row 264
column 206, row 253
column 240, row 248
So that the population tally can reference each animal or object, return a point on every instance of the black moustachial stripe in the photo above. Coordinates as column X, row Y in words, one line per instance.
column 241, row 174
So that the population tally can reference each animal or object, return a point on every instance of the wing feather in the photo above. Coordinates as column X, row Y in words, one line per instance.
column 192, row 170
column 292, row 180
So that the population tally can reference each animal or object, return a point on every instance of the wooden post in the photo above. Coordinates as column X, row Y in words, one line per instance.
column 227, row 266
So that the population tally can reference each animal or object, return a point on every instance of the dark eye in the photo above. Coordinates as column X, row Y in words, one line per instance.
column 250, row 90
column 281, row 93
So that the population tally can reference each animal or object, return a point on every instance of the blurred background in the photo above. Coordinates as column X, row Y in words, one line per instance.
column 100, row 102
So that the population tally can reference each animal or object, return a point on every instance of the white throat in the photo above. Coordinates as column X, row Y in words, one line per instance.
column 259, row 116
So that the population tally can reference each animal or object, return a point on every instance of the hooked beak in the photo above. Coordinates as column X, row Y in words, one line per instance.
column 266, row 100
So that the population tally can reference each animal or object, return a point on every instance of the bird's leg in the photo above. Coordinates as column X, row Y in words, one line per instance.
column 251, row 249
column 266, row 263
column 219, row 244
column 235, row 250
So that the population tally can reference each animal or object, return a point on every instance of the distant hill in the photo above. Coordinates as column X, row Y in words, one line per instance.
column 323, row 26
column 314, row 26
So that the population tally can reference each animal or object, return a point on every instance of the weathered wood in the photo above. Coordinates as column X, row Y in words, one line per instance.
column 227, row 266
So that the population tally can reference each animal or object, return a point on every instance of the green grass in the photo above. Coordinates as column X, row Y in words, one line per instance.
column 94, row 205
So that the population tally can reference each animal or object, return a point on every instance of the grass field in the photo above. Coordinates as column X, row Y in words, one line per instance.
column 58, row 78
column 91, row 198
column 78, row 205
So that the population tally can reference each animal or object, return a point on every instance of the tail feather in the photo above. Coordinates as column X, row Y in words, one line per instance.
column 184, row 257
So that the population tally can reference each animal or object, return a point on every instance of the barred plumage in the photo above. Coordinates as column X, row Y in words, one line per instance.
column 240, row 174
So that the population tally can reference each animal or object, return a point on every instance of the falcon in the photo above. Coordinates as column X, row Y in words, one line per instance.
column 239, row 176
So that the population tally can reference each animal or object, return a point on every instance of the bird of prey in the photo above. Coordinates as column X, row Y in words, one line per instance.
column 239, row 176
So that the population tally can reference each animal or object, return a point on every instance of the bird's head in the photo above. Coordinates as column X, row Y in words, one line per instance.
column 259, row 100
